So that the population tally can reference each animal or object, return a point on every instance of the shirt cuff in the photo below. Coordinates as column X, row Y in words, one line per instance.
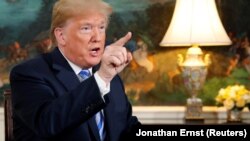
column 103, row 87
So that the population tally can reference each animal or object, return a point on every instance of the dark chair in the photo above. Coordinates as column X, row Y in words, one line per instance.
column 8, row 115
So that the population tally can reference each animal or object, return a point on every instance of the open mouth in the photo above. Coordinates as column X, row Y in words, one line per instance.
column 94, row 51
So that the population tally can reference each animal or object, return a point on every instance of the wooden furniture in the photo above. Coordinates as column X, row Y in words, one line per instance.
column 8, row 115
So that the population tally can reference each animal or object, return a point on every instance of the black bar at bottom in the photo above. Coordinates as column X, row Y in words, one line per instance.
column 193, row 132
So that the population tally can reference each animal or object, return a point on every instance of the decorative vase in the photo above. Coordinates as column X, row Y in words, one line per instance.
column 234, row 115
column 194, row 78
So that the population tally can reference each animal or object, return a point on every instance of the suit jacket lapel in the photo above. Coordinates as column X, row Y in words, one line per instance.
column 67, row 79
column 63, row 71
column 107, row 119
column 93, row 127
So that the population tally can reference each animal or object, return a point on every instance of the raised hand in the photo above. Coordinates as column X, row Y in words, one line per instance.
column 115, row 58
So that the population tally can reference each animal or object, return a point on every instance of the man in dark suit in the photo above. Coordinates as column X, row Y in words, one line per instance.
column 51, row 101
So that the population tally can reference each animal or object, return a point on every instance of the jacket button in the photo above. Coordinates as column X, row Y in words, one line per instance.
column 87, row 109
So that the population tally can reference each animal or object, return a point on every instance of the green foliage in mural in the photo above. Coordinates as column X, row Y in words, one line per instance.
column 163, row 93
column 213, row 85
column 166, row 94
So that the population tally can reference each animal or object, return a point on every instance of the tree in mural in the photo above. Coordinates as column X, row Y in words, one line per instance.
column 40, row 24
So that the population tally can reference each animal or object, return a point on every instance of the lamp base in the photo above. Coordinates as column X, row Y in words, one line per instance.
column 194, row 109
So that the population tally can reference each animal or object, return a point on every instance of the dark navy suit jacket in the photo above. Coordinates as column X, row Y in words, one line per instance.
column 49, row 103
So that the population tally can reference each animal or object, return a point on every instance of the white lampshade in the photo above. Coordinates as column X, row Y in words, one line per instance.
column 195, row 22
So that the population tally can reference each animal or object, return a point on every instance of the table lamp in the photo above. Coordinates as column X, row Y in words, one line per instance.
column 195, row 23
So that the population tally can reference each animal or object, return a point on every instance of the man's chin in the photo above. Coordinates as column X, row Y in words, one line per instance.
column 95, row 62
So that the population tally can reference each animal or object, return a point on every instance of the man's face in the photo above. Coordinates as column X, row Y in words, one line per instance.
column 84, row 39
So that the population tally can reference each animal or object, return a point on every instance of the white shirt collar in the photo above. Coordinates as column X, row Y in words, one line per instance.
column 75, row 68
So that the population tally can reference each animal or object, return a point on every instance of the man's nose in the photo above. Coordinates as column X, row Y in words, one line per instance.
column 96, row 34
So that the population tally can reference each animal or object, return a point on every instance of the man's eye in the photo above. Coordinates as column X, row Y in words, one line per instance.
column 86, row 29
column 102, row 28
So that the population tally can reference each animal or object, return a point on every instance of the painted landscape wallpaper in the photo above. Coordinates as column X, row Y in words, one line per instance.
column 153, row 77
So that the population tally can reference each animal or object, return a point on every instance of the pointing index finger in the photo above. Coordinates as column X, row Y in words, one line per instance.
column 123, row 40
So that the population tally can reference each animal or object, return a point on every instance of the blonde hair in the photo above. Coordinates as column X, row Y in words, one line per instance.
column 65, row 9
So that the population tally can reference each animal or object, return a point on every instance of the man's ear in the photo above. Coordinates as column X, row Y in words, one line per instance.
column 58, row 32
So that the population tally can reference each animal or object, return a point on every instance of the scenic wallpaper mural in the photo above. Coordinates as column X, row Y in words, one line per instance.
column 153, row 77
